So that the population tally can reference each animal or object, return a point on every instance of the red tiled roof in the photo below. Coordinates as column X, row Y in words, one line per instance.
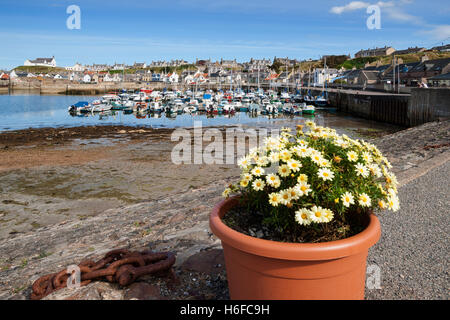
column 272, row 76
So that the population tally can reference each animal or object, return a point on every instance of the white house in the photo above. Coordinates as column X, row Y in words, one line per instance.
column 43, row 62
column 112, row 78
column 30, row 75
column 74, row 77
column 173, row 77
column 58, row 76
column 13, row 75
column 321, row 75
column 87, row 78
column 77, row 67
column 189, row 79
column 200, row 77
column 119, row 67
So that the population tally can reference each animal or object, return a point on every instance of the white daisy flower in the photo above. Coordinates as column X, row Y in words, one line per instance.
column 367, row 157
column 226, row 193
column 262, row 161
column 352, row 156
column 364, row 200
column 274, row 199
column 302, row 178
column 273, row 180
column 303, row 151
column 325, row 163
column 327, row 215
column 375, row 170
column 325, row 174
column 302, row 217
column 316, row 157
column 274, row 157
column 244, row 183
column 305, row 188
column 244, row 163
column 257, row 171
column 284, row 171
column 347, row 199
column 285, row 155
column 317, row 215
column 258, row 185
column 294, row 165
column 393, row 203
column 285, row 197
column 361, row 170
column 295, row 193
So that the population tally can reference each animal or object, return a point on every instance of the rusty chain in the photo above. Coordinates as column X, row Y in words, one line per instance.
column 121, row 266
column 437, row 146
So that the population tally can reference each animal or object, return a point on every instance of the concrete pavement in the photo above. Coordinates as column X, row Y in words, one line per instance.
column 413, row 251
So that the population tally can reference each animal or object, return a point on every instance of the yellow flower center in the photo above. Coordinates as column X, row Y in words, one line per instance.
column 304, row 216
column 303, row 188
column 318, row 214
column 325, row 174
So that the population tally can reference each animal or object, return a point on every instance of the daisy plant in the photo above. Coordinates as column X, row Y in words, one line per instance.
column 312, row 177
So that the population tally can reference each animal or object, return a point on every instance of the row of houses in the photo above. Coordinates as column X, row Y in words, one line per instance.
column 253, row 64
column 434, row 73
column 387, row 51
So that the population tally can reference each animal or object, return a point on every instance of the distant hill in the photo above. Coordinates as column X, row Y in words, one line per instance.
column 39, row 69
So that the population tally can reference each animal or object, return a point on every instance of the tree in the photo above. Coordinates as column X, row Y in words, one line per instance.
column 276, row 66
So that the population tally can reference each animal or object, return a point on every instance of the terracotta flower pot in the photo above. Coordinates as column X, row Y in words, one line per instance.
column 268, row 270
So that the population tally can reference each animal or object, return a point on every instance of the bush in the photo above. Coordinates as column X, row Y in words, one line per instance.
column 303, row 182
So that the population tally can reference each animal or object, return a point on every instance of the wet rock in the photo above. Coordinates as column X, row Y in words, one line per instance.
column 208, row 262
column 177, row 218
column 143, row 291
column 93, row 291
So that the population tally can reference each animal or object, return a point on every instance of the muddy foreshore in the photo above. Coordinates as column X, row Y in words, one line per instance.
column 69, row 194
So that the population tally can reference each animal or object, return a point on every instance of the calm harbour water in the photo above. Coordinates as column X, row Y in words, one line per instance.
column 35, row 111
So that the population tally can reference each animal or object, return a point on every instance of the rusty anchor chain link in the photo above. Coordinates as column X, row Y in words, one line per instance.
column 121, row 266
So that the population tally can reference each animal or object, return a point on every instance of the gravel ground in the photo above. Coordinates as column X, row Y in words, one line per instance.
column 412, row 253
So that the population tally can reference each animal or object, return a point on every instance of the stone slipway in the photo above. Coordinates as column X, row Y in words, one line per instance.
column 179, row 223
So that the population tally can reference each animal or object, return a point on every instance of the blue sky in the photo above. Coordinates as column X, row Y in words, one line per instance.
column 128, row 31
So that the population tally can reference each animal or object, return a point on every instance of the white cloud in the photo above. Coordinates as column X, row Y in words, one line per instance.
column 390, row 8
column 440, row 33
column 352, row 6
column 358, row 5
column 397, row 14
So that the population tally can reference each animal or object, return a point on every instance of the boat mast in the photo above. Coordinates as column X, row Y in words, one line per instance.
column 231, row 83
column 393, row 74
column 324, row 76
column 258, row 78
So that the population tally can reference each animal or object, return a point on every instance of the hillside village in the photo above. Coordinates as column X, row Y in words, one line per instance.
column 370, row 69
